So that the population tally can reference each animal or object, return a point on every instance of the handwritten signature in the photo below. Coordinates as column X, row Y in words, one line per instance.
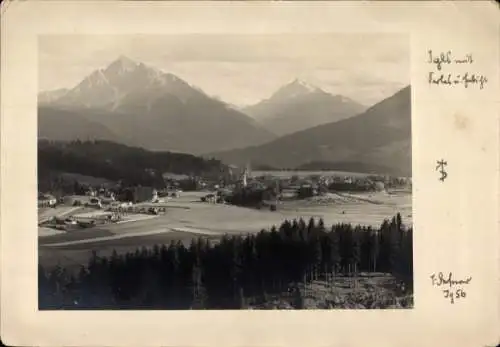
column 441, row 280
column 453, row 293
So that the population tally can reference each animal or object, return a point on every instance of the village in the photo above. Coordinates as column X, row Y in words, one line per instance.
column 96, row 205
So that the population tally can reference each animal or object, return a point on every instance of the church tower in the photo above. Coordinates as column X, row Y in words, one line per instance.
column 244, row 178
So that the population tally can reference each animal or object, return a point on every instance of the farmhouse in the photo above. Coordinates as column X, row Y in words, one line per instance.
column 140, row 194
column 46, row 200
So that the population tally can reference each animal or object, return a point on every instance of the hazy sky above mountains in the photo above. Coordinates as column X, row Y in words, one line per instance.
column 241, row 69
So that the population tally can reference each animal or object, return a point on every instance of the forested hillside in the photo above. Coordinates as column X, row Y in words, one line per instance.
column 378, row 139
column 117, row 162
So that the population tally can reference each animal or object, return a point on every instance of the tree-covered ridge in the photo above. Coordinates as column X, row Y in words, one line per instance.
column 234, row 272
column 116, row 162
column 377, row 139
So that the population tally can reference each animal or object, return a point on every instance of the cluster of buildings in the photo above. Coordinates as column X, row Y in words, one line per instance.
column 101, row 197
column 46, row 200
column 274, row 188
column 236, row 182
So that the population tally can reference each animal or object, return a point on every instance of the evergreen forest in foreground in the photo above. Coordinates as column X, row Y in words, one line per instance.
column 237, row 272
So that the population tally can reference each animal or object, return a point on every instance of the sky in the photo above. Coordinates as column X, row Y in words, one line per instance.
column 241, row 69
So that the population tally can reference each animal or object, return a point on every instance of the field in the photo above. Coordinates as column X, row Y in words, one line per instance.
column 187, row 218
column 302, row 174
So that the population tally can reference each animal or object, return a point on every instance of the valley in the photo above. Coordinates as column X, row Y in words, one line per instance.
column 187, row 218
column 144, row 175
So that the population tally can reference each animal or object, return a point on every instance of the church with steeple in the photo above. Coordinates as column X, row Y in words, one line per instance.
column 243, row 181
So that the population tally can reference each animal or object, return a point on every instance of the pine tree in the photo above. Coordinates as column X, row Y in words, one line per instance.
column 295, row 225
column 302, row 228
column 321, row 226
column 399, row 221
column 385, row 253
column 298, row 300
column 346, row 247
column 375, row 249
column 199, row 295
column 395, row 245
column 335, row 257
column 236, row 268
column 311, row 227
column 356, row 249
column 44, row 290
column 316, row 256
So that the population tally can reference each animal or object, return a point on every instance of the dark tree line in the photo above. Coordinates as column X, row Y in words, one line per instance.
column 228, row 274
column 351, row 187
column 344, row 166
column 116, row 162
column 248, row 197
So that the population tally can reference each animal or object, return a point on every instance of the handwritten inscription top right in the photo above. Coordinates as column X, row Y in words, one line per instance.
column 450, row 79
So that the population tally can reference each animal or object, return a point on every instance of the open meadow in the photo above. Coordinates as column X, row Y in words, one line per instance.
column 187, row 217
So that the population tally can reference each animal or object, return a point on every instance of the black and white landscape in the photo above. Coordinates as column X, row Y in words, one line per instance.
column 225, row 172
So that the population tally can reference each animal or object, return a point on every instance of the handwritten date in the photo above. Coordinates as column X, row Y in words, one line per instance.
column 453, row 295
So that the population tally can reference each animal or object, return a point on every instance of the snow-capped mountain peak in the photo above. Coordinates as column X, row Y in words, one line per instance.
column 294, row 89
column 121, row 65
column 95, row 79
column 107, row 87
column 302, row 84
column 299, row 105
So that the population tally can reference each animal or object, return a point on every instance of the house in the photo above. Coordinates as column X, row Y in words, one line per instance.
column 94, row 202
column 142, row 194
column 46, row 200
column 289, row 193
column 210, row 198
column 379, row 186
column 348, row 180
column 306, row 191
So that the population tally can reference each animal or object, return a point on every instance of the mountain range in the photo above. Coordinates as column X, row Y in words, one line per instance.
column 379, row 138
column 143, row 106
column 298, row 105
column 298, row 125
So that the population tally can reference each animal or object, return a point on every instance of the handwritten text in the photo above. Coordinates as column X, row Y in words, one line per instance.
column 440, row 78
column 455, row 287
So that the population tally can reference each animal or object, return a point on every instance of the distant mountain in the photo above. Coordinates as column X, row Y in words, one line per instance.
column 298, row 106
column 51, row 96
column 149, row 108
column 379, row 138
column 122, row 79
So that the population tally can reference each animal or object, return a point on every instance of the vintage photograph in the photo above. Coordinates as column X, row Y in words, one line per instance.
column 224, row 172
